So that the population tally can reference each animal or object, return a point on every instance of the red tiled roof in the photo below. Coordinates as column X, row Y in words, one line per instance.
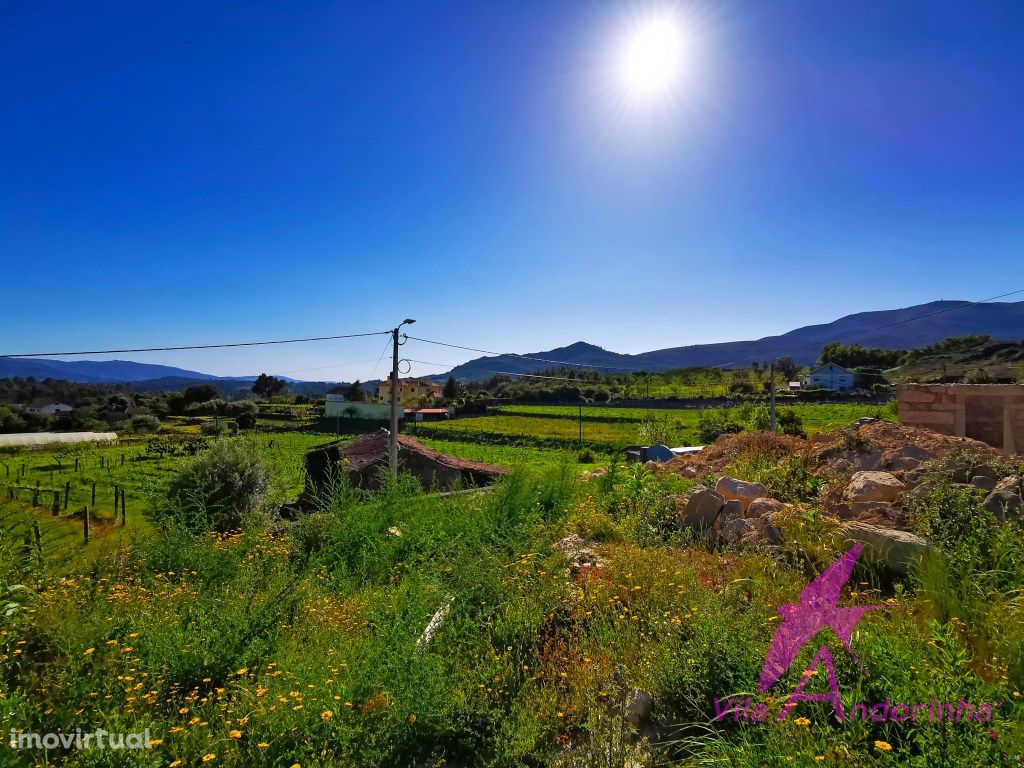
column 374, row 448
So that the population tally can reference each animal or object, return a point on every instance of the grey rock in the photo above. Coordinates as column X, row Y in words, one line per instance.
column 896, row 549
column 874, row 486
column 738, row 529
column 731, row 510
column 983, row 482
column 761, row 507
column 1005, row 500
column 741, row 490
column 639, row 704
column 702, row 508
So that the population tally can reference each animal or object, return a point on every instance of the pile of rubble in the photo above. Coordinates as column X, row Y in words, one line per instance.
column 873, row 471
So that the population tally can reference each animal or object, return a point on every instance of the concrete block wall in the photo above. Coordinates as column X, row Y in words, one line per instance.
column 991, row 413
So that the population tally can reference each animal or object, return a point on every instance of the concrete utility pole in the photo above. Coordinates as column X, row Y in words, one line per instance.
column 771, row 389
column 393, row 438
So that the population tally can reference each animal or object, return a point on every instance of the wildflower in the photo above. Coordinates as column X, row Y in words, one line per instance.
column 175, row 764
column 263, row 745
column 820, row 758
column 241, row 671
column 296, row 765
column 155, row 742
column 183, row 711
column 883, row 746
column 89, row 651
column 235, row 734
column 412, row 718
column 209, row 757
column 802, row 721
column 326, row 715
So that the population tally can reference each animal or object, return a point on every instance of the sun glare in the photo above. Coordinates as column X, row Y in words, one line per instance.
column 652, row 57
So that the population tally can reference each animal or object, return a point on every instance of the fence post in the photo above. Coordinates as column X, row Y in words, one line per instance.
column 85, row 524
column 117, row 498
column 67, row 495
column 76, row 463
column 55, row 510
column 103, row 461
column 35, row 497
column 122, row 459
column 94, row 494
column 124, row 518
column 39, row 541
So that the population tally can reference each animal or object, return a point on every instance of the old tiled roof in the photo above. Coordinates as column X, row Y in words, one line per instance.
column 373, row 448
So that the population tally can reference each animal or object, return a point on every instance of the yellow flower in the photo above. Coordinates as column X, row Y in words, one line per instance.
column 236, row 734
column 412, row 718
column 242, row 671
column 263, row 745
column 209, row 757
column 155, row 742
column 296, row 765
column 802, row 721
column 175, row 764
column 883, row 746
column 183, row 711
column 326, row 715
column 89, row 651
column 820, row 758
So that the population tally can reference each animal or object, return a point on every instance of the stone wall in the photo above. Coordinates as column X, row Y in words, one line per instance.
column 991, row 413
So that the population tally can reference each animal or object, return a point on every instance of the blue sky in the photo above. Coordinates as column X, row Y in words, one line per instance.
column 178, row 172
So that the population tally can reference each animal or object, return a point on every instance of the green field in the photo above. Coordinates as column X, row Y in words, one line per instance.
column 610, row 428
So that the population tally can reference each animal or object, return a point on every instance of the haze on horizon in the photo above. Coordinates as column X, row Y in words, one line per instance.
column 206, row 172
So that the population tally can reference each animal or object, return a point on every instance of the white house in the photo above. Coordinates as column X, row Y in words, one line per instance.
column 831, row 376
column 46, row 407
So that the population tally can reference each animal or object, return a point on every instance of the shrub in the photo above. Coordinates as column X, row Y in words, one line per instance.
column 214, row 490
column 145, row 423
column 790, row 423
column 212, row 428
column 713, row 424
column 586, row 456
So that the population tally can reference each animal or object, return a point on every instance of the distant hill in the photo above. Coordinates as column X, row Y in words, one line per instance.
column 905, row 328
column 92, row 371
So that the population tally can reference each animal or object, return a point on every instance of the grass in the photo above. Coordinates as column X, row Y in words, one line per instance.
column 302, row 643
column 610, row 428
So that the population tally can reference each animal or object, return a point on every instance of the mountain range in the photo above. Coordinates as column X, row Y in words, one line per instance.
column 890, row 329
column 904, row 328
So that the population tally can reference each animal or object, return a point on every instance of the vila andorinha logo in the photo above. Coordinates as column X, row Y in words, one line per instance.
column 818, row 610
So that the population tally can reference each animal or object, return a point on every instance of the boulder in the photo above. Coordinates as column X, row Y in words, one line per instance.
column 1005, row 500
column 639, row 704
column 702, row 508
column 983, row 482
column 737, row 529
column 762, row 506
column 741, row 490
column 873, row 486
column 904, row 463
column 897, row 549
column 731, row 510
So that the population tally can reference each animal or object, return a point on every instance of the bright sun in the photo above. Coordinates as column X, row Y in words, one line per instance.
column 652, row 57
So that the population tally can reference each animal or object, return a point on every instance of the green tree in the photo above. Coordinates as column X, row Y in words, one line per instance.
column 354, row 392
column 268, row 387
column 451, row 389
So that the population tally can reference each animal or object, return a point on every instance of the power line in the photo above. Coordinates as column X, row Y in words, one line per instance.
column 876, row 328
column 332, row 365
column 503, row 373
column 197, row 346
column 775, row 353
column 381, row 357
column 520, row 357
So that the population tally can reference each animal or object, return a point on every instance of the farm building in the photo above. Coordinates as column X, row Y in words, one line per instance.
column 337, row 407
column 832, row 376
column 366, row 459
column 44, row 407
column 410, row 391
column 428, row 414
column 991, row 413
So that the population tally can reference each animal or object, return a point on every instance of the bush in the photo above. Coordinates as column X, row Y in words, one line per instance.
column 790, row 423
column 712, row 424
column 145, row 423
column 586, row 456
column 212, row 428
column 216, row 489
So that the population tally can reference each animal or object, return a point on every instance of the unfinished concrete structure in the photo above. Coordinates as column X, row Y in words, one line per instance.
column 364, row 461
column 991, row 413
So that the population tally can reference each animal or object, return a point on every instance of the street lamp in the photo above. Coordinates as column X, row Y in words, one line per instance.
column 393, row 438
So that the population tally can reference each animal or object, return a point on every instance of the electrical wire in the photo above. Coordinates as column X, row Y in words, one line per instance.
column 196, row 346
